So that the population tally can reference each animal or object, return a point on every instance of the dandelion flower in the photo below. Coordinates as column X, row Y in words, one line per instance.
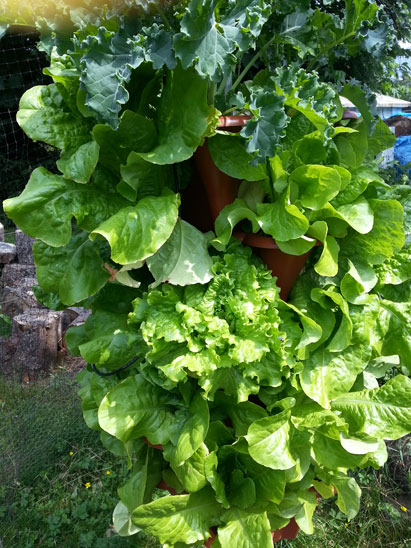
column 87, row 485
column 108, row 472
column 404, row 509
column 71, row 453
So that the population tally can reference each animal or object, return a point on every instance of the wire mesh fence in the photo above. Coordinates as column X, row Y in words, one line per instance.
column 21, row 67
column 38, row 420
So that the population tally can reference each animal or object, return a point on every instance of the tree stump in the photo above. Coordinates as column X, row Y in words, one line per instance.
column 36, row 333
column 7, row 253
column 16, row 300
column 14, row 274
column 24, row 248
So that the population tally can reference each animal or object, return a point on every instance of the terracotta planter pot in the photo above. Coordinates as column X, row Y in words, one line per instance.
column 285, row 267
column 166, row 487
column 289, row 532
column 210, row 541
column 159, row 447
column 210, row 189
column 349, row 115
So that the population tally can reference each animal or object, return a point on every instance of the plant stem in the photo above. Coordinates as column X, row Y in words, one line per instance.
column 223, row 83
column 226, row 112
column 332, row 45
column 270, row 180
column 163, row 17
column 251, row 63
column 211, row 93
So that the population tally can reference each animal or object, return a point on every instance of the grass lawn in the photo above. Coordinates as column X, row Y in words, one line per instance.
column 58, row 485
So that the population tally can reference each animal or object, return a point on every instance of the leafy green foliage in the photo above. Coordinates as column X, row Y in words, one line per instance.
column 253, row 401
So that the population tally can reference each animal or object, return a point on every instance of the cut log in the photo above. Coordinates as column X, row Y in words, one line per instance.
column 14, row 274
column 16, row 300
column 7, row 253
column 24, row 248
column 37, row 334
column 7, row 350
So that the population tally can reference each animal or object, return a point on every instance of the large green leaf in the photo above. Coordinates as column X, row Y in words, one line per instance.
column 242, row 414
column 356, row 95
column 192, row 433
column 358, row 214
column 75, row 271
column 159, row 47
column 317, row 185
column 241, row 490
column 305, row 93
column 122, row 521
column 45, row 208
column 385, row 238
column 269, row 442
column 106, row 69
column 215, row 479
column 348, row 495
column 183, row 259
column 327, row 264
column 209, row 37
column 193, row 473
column 181, row 518
column 109, row 341
column 230, row 156
column 282, row 220
column 93, row 388
column 304, row 516
column 135, row 408
column 145, row 476
column 358, row 280
column 228, row 218
column 136, row 232
column 394, row 323
column 329, row 454
column 44, row 116
column 245, row 530
column 141, row 178
column 183, row 117
column 342, row 337
column 269, row 483
column 326, row 375
column 80, row 165
column 137, row 490
column 202, row 41
column 264, row 130
column 383, row 412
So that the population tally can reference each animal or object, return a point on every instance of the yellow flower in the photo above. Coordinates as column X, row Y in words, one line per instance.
column 404, row 509
column 71, row 453
column 108, row 472
column 87, row 485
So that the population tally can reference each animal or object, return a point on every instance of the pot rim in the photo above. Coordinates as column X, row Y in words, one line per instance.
column 238, row 120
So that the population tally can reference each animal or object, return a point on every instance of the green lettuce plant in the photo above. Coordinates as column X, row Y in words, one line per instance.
column 255, row 403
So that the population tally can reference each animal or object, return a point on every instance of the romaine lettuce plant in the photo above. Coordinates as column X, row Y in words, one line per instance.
column 244, row 404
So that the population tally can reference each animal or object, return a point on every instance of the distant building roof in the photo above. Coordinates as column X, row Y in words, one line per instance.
column 383, row 101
